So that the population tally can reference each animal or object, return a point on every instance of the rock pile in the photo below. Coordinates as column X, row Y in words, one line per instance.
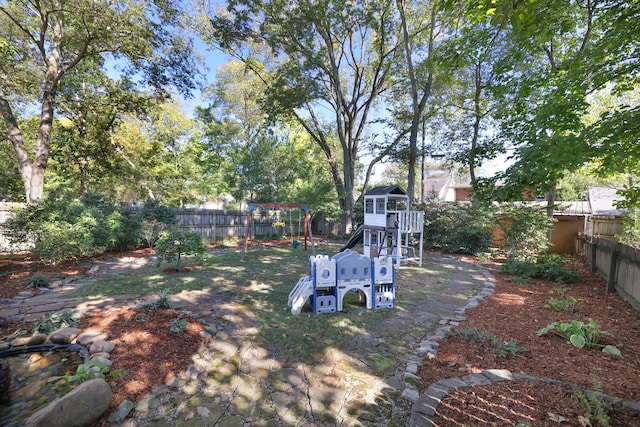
column 88, row 401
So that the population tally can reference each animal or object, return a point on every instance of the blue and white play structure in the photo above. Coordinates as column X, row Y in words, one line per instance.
column 330, row 279
column 389, row 231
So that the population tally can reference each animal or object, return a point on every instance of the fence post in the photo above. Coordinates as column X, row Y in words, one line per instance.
column 611, row 278
column 594, row 253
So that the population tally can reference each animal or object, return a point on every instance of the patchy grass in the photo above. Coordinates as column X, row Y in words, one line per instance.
column 263, row 282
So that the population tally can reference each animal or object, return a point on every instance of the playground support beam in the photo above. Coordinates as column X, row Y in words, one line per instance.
column 307, row 223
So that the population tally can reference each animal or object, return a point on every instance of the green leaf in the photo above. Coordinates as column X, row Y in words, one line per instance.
column 577, row 340
column 612, row 350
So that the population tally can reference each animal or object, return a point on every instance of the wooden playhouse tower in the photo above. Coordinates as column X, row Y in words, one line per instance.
column 390, row 228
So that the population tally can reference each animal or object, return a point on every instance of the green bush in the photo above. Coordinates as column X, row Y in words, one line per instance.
column 456, row 228
column 154, row 219
column 548, row 266
column 174, row 243
column 62, row 227
column 520, row 266
column 526, row 230
column 552, row 267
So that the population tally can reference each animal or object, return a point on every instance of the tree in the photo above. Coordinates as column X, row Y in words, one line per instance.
column 269, row 163
column 320, row 56
column 92, row 107
column 55, row 36
column 573, row 49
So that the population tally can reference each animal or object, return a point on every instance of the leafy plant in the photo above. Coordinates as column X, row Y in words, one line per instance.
column 38, row 281
column 519, row 280
column 566, row 305
column 548, row 266
column 86, row 371
column 179, row 324
column 161, row 302
column 552, row 267
column 503, row 348
column 456, row 228
column 580, row 334
column 62, row 227
column 155, row 218
column 174, row 243
column 521, row 266
column 525, row 230
column 54, row 321
column 596, row 407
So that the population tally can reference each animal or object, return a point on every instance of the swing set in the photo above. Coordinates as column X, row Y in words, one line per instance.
column 307, row 223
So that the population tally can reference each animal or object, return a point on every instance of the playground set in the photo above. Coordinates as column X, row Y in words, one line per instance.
column 387, row 233
column 278, row 223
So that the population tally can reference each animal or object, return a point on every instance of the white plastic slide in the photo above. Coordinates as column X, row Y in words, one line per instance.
column 295, row 289
column 303, row 290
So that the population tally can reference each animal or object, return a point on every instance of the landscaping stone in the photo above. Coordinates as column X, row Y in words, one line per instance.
column 64, row 335
column 101, row 347
column 79, row 408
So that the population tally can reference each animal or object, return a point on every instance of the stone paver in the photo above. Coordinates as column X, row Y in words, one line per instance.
column 237, row 379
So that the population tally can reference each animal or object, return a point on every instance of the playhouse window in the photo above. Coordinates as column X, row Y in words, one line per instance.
column 368, row 206
column 380, row 206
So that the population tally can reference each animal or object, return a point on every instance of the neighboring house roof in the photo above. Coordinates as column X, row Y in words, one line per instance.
column 386, row 190
column 570, row 208
column 437, row 187
column 602, row 200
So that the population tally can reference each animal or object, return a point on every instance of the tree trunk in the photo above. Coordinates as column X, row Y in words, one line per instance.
column 418, row 102
column 551, row 202
column 15, row 136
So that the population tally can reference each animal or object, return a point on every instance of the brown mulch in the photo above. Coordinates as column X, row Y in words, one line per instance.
column 517, row 312
column 147, row 350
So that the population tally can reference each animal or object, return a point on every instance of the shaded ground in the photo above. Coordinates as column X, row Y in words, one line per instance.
column 517, row 312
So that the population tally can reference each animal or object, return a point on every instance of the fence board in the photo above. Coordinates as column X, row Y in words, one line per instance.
column 623, row 275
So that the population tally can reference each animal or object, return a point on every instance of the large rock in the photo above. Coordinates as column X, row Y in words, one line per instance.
column 80, row 408
column 64, row 335
column 5, row 376
column 36, row 339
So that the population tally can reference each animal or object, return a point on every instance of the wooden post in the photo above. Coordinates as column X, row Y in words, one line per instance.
column 594, row 257
column 247, row 231
column 613, row 266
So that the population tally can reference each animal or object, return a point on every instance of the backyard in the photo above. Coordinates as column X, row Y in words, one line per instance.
column 251, row 296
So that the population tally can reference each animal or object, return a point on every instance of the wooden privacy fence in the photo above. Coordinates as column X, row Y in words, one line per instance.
column 619, row 264
column 222, row 224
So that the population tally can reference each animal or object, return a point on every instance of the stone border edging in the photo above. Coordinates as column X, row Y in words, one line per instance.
column 426, row 406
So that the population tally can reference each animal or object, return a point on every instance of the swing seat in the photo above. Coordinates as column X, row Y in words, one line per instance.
column 295, row 244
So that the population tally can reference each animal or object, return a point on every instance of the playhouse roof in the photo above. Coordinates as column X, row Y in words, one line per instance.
column 386, row 190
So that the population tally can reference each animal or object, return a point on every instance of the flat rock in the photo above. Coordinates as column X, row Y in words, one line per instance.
column 64, row 335
column 32, row 340
column 87, row 338
column 83, row 406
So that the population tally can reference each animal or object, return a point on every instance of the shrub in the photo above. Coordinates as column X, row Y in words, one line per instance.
column 457, row 228
column 174, row 243
column 526, row 230
column 62, row 227
column 549, row 266
column 154, row 219
column 552, row 267
column 38, row 281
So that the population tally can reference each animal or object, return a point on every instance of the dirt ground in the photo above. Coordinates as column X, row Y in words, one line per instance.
column 513, row 312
